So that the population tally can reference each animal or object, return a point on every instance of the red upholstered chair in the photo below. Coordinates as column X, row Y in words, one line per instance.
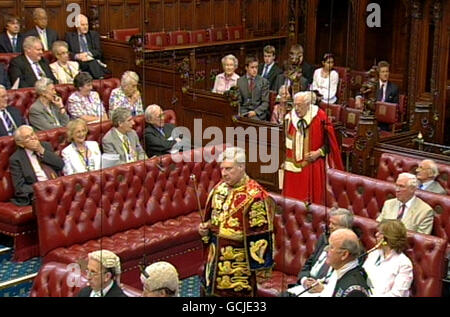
column 179, row 38
column 350, row 119
column 199, row 36
column 344, row 83
column 104, row 88
column 386, row 112
column 6, row 58
column 65, row 90
column 124, row 34
column 22, row 99
column 217, row 35
column 333, row 111
column 235, row 33
column 156, row 40
column 49, row 56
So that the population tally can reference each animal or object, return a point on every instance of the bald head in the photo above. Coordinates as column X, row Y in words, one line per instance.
column 154, row 115
column 344, row 248
column 82, row 24
column 40, row 18
column 427, row 171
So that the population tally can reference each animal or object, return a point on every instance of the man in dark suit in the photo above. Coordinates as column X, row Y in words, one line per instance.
column 10, row 117
column 84, row 46
column 4, row 79
column 11, row 40
column 31, row 65
column 103, row 273
column 269, row 70
column 158, row 138
column 254, row 92
column 32, row 162
column 386, row 91
column 40, row 30
column 296, row 65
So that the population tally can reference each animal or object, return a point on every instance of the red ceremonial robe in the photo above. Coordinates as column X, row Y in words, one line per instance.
column 303, row 180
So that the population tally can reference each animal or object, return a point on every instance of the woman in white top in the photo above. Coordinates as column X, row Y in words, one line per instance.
column 224, row 81
column 80, row 155
column 326, row 80
column 389, row 270
column 63, row 69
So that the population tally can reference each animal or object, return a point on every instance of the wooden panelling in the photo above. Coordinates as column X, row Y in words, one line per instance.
column 203, row 18
column 155, row 16
column 187, row 12
column 170, row 15
column 219, row 13
column 233, row 12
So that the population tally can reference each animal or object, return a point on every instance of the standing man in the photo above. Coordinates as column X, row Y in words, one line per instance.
column 427, row 171
column 254, row 92
column 31, row 65
column 269, row 70
column 103, row 273
column 10, row 117
column 238, row 227
column 40, row 30
column 85, row 48
column 415, row 214
column 310, row 140
column 11, row 40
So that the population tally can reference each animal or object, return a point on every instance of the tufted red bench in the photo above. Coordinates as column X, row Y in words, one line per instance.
column 391, row 165
column 298, row 228
column 58, row 280
column 19, row 222
column 23, row 98
column 6, row 58
column 143, row 211
column 366, row 196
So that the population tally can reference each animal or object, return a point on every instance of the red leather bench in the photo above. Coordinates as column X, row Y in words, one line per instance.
column 142, row 211
column 298, row 228
column 6, row 58
column 124, row 34
column 58, row 280
column 391, row 165
column 19, row 222
column 366, row 196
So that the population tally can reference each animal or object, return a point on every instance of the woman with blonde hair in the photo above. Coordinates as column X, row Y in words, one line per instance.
column 389, row 270
column 80, row 155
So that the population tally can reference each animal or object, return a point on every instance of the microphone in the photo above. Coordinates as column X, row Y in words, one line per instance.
column 321, row 280
column 379, row 244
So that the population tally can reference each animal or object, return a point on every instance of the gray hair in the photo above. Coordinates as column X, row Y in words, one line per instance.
column 233, row 154
column 433, row 166
column 346, row 220
column 119, row 115
column 58, row 44
column 42, row 84
column 309, row 96
column 412, row 179
column 30, row 41
column 38, row 11
column 2, row 87
column 150, row 111
column 232, row 57
column 129, row 76
column 352, row 246
column 17, row 135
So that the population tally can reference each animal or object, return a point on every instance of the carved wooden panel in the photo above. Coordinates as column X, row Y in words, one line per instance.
column 154, row 16
column 203, row 18
column 170, row 15
column 187, row 8
column 233, row 11
column 219, row 13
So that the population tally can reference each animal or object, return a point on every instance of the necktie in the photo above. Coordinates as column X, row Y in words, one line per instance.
column 83, row 43
column 265, row 71
column 38, row 70
column 9, row 124
column 401, row 212
column 43, row 37
column 382, row 93
column 126, row 145
column 251, row 84
column 14, row 44
column 49, row 172
column 421, row 186
column 161, row 130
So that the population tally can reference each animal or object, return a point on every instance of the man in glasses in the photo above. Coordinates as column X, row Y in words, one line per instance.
column 103, row 274
column 427, row 171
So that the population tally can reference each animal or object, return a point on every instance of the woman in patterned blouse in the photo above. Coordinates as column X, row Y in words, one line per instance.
column 86, row 103
column 224, row 81
column 127, row 95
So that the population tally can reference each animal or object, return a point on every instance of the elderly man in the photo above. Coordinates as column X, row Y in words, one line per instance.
column 160, row 279
column 48, row 111
column 158, row 138
column 32, row 162
column 415, row 214
column 310, row 140
column 238, row 225
column 315, row 267
column 40, row 30
column 103, row 273
column 10, row 117
column 427, row 171
column 122, row 139
column 30, row 66
column 11, row 40
column 348, row 278
column 85, row 48
column 254, row 92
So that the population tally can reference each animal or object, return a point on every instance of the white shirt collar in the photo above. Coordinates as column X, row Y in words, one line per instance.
column 104, row 291
column 426, row 184
column 30, row 61
column 39, row 30
column 409, row 202
column 346, row 267
column 308, row 117
column 383, row 83
column 12, row 35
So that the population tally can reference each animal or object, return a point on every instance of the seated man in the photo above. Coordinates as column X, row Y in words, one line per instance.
column 269, row 70
column 11, row 40
column 297, row 69
column 158, row 138
column 10, row 117
column 254, row 92
column 315, row 267
column 415, row 214
column 4, row 79
column 160, row 279
column 122, row 139
column 31, row 65
column 103, row 273
column 32, row 162
column 427, row 171
column 40, row 29
column 84, row 46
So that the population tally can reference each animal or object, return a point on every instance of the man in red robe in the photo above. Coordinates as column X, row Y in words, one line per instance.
column 311, row 147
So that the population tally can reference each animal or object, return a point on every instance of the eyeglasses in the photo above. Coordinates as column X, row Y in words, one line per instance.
column 63, row 53
column 29, row 137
